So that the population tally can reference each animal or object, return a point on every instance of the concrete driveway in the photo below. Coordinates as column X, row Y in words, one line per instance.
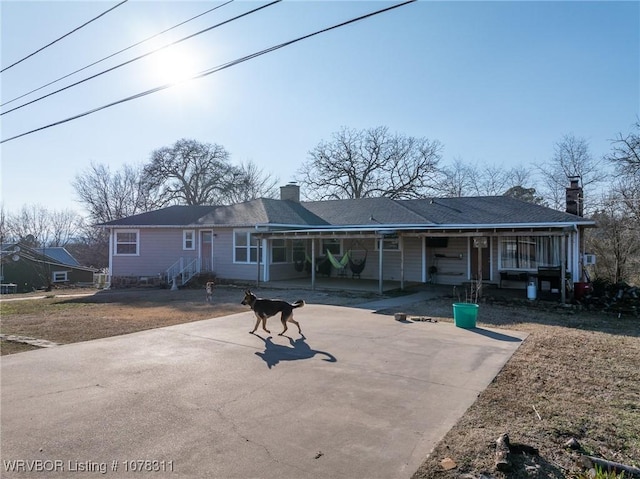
column 360, row 396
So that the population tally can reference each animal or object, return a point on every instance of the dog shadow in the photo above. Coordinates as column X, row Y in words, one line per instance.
column 274, row 353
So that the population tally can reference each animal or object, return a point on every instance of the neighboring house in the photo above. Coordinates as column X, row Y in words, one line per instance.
column 440, row 240
column 24, row 268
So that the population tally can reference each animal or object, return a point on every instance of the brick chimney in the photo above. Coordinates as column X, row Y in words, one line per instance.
column 575, row 197
column 290, row 192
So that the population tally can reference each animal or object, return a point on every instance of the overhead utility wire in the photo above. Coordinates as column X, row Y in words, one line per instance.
column 116, row 53
column 212, row 70
column 63, row 36
column 139, row 57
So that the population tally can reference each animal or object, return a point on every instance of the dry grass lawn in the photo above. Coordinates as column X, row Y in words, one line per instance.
column 576, row 376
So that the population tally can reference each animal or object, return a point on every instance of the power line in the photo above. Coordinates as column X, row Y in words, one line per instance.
column 116, row 53
column 212, row 70
column 63, row 36
column 139, row 57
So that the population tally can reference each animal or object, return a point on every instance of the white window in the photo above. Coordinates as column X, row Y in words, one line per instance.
column 127, row 242
column 245, row 247
column 529, row 252
column 60, row 276
column 278, row 250
column 188, row 239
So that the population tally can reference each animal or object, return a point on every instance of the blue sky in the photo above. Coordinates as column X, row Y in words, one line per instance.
column 497, row 83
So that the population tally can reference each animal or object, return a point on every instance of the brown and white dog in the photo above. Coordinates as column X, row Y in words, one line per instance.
column 265, row 308
column 209, row 287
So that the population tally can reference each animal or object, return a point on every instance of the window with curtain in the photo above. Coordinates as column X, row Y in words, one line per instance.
column 529, row 252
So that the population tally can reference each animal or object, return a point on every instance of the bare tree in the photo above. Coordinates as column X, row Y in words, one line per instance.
column 492, row 181
column 191, row 173
column 252, row 183
column 571, row 158
column 91, row 247
column 109, row 196
column 616, row 241
column 625, row 154
column 370, row 163
column 4, row 233
column 31, row 224
column 41, row 227
column 456, row 180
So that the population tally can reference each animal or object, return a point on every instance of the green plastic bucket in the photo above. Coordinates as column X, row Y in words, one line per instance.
column 465, row 315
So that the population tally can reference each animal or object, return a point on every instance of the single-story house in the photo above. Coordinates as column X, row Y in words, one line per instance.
column 24, row 268
column 453, row 241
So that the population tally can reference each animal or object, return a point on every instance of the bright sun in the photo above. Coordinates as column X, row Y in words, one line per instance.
column 173, row 65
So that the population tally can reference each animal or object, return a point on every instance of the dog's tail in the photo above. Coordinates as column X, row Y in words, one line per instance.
column 298, row 304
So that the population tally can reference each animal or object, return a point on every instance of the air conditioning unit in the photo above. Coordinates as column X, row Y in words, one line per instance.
column 589, row 259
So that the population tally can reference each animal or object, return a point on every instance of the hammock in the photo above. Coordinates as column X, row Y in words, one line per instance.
column 338, row 264
column 357, row 266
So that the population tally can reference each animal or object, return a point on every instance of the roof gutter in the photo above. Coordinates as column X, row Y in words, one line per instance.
column 399, row 227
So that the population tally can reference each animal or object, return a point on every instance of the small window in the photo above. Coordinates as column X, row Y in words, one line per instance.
column 188, row 239
column 60, row 276
column 126, row 242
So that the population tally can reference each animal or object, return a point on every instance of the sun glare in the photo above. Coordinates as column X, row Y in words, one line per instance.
column 173, row 65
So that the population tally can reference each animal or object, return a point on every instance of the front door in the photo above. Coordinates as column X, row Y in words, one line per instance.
column 206, row 251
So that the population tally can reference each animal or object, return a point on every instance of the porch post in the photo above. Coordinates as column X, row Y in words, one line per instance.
column 313, row 263
column 423, row 255
column 380, row 249
column 266, row 272
column 258, row 265
column 401, row 246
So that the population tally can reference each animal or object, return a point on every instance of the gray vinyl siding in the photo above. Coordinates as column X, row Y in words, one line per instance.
column 413, row 259
column 452, row 262
column 158, row 250
column 223, row 256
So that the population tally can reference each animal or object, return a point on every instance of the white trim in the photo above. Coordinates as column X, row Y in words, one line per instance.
column 115, row 242
column 65, row 273
column 184, row 240
column 249, row 233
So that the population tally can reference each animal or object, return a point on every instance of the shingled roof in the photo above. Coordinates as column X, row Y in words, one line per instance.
column 486, row 210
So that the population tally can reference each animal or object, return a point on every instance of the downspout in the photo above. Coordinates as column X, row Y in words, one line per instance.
column 110, row 256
